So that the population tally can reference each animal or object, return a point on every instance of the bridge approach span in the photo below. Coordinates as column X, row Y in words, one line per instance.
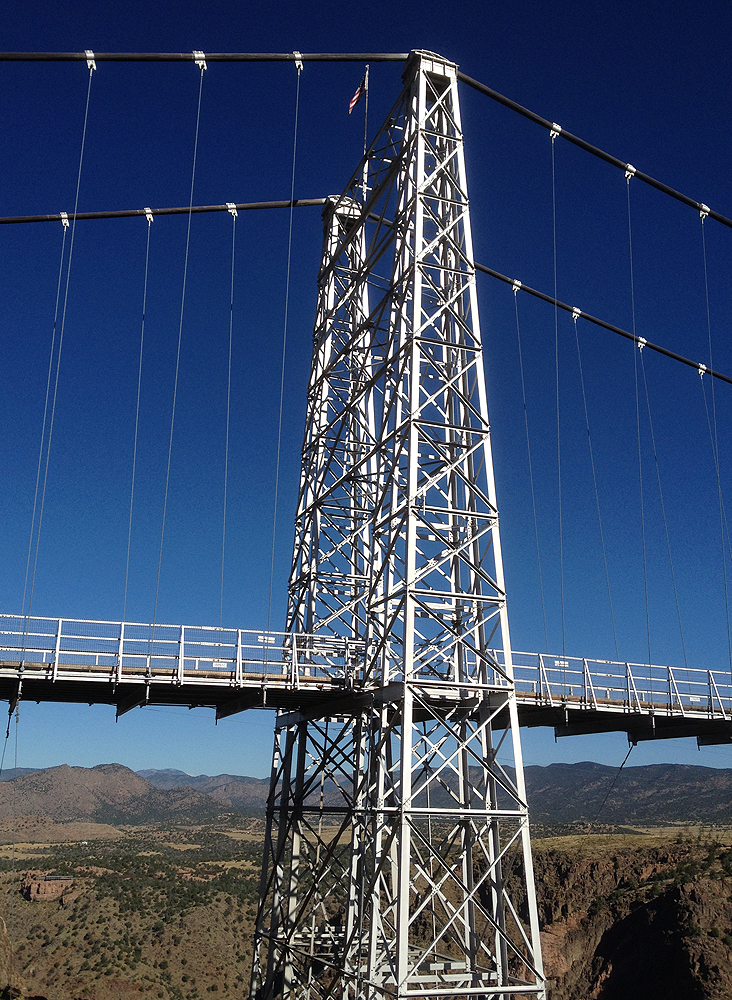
column 130, row 664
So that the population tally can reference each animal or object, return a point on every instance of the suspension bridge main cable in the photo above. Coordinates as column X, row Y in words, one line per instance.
column 252, row 206
column 580, row 314
column 588, row 147
column 222, row 57
column 376, row 57
column 133, row 213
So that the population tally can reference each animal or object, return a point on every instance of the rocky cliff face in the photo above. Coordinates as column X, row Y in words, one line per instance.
column 646, row 923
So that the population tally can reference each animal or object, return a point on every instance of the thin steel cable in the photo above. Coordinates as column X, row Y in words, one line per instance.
column 531, row 470
column 556, row 370
column 614, row 782
column 663, row 510
column 137, row 418
column 638, row 436
column 715, row 442
column 58, row 365
column 228, row 419
column 44, row 421
column 723, row 525
column 177, row 367
column 597, row 494
column 284, row 354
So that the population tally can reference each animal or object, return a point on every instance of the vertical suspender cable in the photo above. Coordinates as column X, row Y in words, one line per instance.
column 228, row 415
column 137, row 416
column 597, row 494
column 663, row 510
column 177, row 361
column 45, row 419
column 715, row 442
column 723, row 523
column 556, row 369
column 58, row 362
column 638, row 434
column 284, row 352
column 531, row 470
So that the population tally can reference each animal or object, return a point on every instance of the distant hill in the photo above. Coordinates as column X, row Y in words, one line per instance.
column 14, row 772
column 557, row 793
column 647, row 795
column 107, row 793
column 235, row 790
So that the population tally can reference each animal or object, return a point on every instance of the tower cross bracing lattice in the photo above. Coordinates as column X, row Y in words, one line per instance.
column 391, row 825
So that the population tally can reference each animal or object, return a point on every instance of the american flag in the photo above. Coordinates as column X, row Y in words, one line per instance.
column 360, row 91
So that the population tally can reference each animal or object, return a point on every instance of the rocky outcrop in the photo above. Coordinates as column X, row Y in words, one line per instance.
column 649, row 922
column 41, row 890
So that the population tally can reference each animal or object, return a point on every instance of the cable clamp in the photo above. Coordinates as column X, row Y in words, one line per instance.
column 148, row 215
column 554, row 131
column 200, row 59
column 629, row 171
column 641, row 343
column 65, row 219
column 232, row 208
column 702, row 370
column 576, row 313
column 703, row 211
column 516, row 285
column 298, row 60
column 90, row 63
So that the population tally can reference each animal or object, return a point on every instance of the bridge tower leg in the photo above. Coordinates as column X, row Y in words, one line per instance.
column 397, row 857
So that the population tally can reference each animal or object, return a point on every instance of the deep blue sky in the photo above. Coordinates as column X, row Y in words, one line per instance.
column 651, row 85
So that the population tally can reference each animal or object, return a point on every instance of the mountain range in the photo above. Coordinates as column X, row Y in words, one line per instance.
column 557, row 794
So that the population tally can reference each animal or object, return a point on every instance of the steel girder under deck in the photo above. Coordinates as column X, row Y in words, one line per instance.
column 397, row 855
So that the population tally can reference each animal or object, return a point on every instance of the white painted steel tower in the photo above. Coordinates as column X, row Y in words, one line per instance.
column 397, row 858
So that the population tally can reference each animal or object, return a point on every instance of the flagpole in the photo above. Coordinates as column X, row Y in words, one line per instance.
column 366, row 107
column 365, row 128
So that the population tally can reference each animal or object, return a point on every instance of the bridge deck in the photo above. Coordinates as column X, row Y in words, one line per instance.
column 231, row 670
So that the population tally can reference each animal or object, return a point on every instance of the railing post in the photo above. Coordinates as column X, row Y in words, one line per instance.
column 544, row 681
column 57, row 649
column 239, row 665
column 588, row 683
column 632, row 687
column 294, row 672
column 713, row 689
column 181, row 654
column 673, row 689
column 120, row 651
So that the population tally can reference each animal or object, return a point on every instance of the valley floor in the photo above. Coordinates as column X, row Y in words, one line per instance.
column 169, row 912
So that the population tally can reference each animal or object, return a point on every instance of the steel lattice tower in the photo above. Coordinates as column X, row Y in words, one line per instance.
column 397, row 855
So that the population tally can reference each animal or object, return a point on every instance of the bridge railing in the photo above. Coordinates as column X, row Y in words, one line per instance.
column 183, row 652
column 608, row 684
column 134, row 651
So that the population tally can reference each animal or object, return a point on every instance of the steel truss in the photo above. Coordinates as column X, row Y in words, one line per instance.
column 397, row 857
